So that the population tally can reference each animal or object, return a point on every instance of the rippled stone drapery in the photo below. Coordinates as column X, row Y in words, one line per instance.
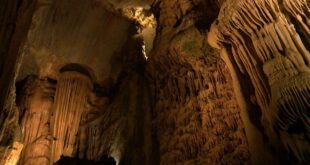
column 70, row 101
column 37, row 100
column 267, row 40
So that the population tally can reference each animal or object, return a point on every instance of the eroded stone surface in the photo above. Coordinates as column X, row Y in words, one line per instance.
column 12, row 154
column 183, row 108
column 35, row 103
column 196, row 116
column 268, row 41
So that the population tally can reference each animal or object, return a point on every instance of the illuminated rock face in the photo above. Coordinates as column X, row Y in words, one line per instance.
column 121, row 129
column 197, row 118
column 12, row 155
column 180, row 106
column 70, row 101
column 196, row 115
column 36, row 102
column 268, row 40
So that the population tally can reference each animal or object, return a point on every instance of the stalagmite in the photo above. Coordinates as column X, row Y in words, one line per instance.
column 70, row 103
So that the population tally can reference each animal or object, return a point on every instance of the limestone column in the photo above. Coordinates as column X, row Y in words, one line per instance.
column 37, row 101
column 70, row 100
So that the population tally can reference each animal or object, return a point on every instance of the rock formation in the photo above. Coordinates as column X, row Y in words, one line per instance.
column 196, row 117
column 154, row 82
column 201, row 122
column 35, row 101
column 268, row 41
column 70, row 101
column 12, row 155
column 15, row 22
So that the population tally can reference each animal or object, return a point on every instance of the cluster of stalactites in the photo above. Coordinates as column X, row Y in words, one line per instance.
column 267, row 39
column 70, row 100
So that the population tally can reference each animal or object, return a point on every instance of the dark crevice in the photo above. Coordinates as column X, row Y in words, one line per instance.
column 105, row 160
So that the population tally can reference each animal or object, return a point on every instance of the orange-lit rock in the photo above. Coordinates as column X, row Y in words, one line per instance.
column 70, row 101
column 196, row 116
column 269, row 41
column 37, row 97
column 12, row 154
column 154, row 82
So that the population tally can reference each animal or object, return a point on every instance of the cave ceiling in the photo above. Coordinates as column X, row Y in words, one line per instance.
column 64, row 32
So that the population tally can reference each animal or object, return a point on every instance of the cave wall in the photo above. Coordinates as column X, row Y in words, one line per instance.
column 35, row 100
column 123, row 128
column 268, row 44
column 133, row 144
column 118, row 126
column 15, row 17
column 196, row 116
column 15, row 20
column 83, row 33
column 188, row 104
column 75, row 116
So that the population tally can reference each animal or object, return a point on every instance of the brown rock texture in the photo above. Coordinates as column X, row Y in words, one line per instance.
column 12, row 154
column 268, row 41
column 120, row 128
column 73, row 31
column 15, row 18
column 196, row 116
column 95, row 84
column 35, row 103
column 120, row 125
column 110, row 119
column 70, row 101
column 96, row 131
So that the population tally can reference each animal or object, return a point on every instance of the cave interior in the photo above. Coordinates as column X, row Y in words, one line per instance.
column 149, row 82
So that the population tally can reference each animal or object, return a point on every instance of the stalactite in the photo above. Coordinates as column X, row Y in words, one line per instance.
column 268, row 40
column 70, row 101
